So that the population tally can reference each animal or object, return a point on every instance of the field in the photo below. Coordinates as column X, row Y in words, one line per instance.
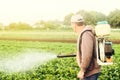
column 50, row 36
column 38, row 34
column 53, row 69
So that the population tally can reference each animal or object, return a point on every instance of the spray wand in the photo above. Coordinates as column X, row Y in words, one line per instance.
column 66, row 55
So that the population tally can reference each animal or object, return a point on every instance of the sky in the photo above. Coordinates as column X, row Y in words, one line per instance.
column 31, row 11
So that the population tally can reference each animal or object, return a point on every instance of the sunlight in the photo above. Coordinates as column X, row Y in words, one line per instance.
column 31, row 11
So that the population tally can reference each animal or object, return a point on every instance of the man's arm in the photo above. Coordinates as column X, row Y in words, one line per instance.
column 78, row 58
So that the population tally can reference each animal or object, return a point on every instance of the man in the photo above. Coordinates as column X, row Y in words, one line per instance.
column 86, row 53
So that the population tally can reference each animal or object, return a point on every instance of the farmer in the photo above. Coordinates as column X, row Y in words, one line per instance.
column 86, row 53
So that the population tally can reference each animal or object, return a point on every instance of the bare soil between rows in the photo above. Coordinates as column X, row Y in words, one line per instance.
column 51, row 40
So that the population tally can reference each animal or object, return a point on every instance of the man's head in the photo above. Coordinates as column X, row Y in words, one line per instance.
column 77, row 22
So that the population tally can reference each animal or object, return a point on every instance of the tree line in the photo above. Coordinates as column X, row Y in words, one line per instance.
column 91, row 18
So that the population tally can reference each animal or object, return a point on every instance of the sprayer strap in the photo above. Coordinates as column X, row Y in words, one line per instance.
column 80, row 39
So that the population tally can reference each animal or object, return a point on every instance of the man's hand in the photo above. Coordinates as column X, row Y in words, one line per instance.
column 80, row 74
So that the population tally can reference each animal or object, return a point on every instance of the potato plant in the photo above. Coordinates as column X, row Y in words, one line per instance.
column 56, row 69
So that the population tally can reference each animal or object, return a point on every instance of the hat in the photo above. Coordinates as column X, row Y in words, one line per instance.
column 77, row 18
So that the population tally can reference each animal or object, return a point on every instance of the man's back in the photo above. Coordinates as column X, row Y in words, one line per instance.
column 87, row 49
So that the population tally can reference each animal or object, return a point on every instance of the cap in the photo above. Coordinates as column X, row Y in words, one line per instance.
column 77, row 18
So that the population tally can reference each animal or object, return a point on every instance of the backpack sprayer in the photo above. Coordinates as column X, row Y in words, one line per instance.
column 104, row 49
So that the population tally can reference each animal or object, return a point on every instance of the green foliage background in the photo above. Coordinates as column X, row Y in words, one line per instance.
column 92, row 17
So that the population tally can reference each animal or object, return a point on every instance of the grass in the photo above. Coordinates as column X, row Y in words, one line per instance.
column 52, row 35
column 115, row 34
column 38, row 35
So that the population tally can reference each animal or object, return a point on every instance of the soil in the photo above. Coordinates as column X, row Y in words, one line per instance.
column 52, row 40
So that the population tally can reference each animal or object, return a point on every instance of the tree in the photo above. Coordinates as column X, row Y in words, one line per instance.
column 67, row 19
column 2, row 27
column 92, row 17
column 87, row 17
column 114, row 18
column 18, row 26
column 11, row 26
column 47, row 25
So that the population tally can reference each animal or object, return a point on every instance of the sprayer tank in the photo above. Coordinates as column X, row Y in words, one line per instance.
column 102, row 29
